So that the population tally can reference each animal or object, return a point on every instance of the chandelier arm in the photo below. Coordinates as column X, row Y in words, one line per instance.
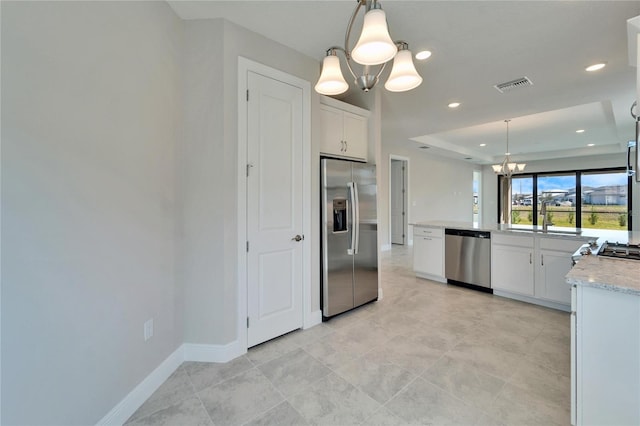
column 346, row 50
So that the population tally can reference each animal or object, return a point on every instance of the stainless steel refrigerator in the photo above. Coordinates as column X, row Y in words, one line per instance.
column 349, row 235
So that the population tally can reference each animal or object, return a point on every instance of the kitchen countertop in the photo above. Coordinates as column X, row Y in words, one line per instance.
column 621, row 275
column 601, row 235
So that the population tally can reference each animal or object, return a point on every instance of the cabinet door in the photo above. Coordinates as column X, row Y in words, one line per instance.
column 331, row 131
column 355, row 135
column 428, row 255
column 553, row 266
column 512, row 269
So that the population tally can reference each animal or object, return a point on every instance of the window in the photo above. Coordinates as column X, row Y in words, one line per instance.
column 522, row 200
column 602, row 202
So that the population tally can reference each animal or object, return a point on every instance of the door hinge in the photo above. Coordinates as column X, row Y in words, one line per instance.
column 247, row 95
column 247, row 246
column 247, row 322
column 249, row 166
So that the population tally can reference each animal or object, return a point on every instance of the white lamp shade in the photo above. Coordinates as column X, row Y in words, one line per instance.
column 375, row 45
column 511, row 166
column 403, row 75
column 497, row 168
column 521, row 166
column 331, row 81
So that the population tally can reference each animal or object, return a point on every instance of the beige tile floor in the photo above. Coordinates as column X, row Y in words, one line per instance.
column 427, row 353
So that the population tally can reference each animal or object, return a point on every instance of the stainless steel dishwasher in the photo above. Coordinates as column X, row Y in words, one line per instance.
column 467, row 257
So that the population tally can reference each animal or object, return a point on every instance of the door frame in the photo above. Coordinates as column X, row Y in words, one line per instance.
column 244, row 66
column 408, row 239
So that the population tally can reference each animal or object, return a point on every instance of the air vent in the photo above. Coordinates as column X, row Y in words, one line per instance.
column 513, row 84
column 424, row 147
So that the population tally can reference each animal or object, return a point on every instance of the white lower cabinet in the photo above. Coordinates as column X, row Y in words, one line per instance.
column 533, row 267
column 606, row 351
column 553, row 263
column 512, row 264
column 428, row 252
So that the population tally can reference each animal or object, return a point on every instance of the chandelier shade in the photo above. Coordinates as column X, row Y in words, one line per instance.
column 403, row 75
column 375, row 46
column 331, row 81
column 373, row 51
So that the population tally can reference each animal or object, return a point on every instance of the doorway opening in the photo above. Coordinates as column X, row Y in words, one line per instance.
column 398, row 195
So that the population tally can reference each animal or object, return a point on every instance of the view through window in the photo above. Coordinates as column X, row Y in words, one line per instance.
column 602, row 203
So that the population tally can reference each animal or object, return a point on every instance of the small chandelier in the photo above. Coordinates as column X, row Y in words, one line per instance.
column 507, row 167
column 374, row 48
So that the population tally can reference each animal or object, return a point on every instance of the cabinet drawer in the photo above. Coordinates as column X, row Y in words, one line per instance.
column 512, row 240
column 560, row 244
column 421, row 231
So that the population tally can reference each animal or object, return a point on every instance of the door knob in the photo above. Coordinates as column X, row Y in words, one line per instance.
column 298, row 238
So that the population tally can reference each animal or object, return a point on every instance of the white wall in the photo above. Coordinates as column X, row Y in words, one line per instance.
column 90, row 116
column 440, row 188
column 210, row 169
column 490, row 180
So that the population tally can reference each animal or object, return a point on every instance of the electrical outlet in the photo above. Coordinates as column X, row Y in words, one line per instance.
column 148, row 329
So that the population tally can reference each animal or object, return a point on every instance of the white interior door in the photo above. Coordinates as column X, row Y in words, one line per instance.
column 274, row 208
column 398, row 193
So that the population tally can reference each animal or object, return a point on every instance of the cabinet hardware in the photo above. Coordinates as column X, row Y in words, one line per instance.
column 530, row 260
column 541, row 259
column 346, row 146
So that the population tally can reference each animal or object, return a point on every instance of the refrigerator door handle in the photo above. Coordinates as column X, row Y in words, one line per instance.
column 352, row 195
column 356, row 219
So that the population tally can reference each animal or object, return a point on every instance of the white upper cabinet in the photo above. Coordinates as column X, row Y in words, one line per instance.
column 344, row 130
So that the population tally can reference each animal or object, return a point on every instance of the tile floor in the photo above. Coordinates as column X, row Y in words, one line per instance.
column 427, row 353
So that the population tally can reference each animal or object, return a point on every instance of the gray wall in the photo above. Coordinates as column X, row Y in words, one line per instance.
column 90, row 118
column 209, row 163
column 440, row 188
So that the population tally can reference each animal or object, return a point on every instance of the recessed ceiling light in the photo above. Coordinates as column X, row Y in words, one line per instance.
column 422, row 55
column 595, row 67
column 590, row 144
column 483, row 144
column 580, row 131
column 454, row 105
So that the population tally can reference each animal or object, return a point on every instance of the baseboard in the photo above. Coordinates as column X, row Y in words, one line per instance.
column 431, row 277
column 314, row 318
column 125, row 408
column 213, row 353
column 385, row 247
column 380, row 293
column 533, row 300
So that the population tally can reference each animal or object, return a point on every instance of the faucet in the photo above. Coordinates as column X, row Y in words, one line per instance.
column 543, row 212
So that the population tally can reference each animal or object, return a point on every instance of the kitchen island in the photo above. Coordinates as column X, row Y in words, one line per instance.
column 526, row 263
column 605, row 340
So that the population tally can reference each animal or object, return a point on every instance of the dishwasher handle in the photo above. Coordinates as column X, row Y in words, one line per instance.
column 468, row 233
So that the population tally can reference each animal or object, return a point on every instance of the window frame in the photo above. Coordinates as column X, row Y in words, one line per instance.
column 578, row 174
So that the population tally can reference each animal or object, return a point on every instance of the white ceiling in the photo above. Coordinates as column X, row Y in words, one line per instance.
column 475, row 45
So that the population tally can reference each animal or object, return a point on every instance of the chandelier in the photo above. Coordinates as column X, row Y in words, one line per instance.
column 507, row 167
column 373, row 49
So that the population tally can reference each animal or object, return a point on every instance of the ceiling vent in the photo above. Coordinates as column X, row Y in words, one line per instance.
column 513, row 84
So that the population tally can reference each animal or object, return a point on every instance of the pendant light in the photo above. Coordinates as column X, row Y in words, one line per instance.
column 331, row 81
column 403, row 75
column 375, row 48
column 508, row 167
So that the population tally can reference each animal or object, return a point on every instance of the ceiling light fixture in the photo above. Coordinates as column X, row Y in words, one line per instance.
column 507, row 167
column 422, row 55
column 374, row 48
column 580, row 131
column 595, row 67
column 483, row 144
column 591, row 144
column 454, row 105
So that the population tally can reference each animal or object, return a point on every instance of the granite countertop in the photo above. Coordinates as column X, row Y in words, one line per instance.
column 620, row 275
column 600, row 235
